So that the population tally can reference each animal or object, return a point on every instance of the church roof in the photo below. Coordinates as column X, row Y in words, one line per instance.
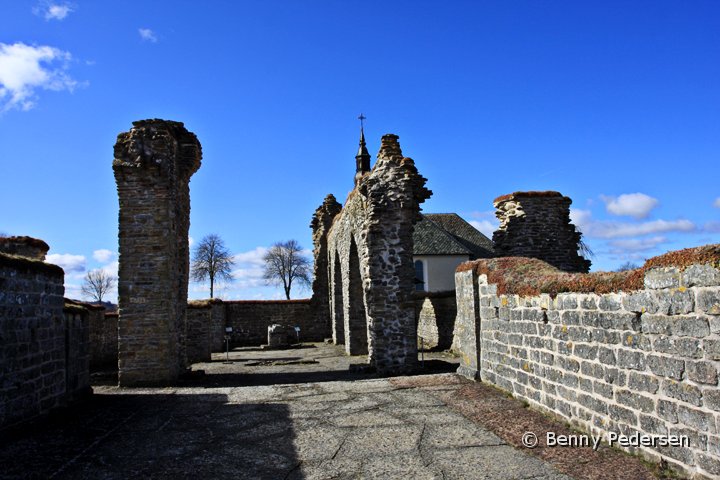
column 449, row 234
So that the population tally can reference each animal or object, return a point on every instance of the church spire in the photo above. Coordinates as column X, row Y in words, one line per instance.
column 362, row 159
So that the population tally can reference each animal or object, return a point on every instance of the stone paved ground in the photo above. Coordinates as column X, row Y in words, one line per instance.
column 357, row 428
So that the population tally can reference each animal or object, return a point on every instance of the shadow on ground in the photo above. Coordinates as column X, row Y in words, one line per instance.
column 153, row 435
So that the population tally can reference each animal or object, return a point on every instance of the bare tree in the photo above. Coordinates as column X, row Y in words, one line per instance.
column 97, row 284
column 212, row 260
column 285, row 264
column 627, row 266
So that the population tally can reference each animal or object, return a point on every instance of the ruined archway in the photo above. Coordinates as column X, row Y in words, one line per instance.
column 337, row 308
column 356, row 326
column 370, row 247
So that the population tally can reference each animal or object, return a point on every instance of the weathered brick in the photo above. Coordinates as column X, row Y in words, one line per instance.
column 696, row 419
column 700, row 276
column 711, row 398
column 658, row 278
column 610, row 301
column 606, row 356
column 585, row 351
column 711, row 346
column 676, row 301
column 640, row 302
column 645, row 383
column 682, row 391
column 652, row 425
column 634, row 360
column 708, row 301
column 621, row 414
column 603, row 389
column 702, row 372
column 634, row 400
column 667, row 410
column 709, row 463
column 666, row 366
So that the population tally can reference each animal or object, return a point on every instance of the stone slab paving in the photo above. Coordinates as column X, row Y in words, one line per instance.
column 346, row 429
column 301, row 413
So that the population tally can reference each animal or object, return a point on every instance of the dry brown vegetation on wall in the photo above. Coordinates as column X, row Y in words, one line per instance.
column 529, row 276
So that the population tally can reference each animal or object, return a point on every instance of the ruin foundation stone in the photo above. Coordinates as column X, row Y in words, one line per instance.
column 370, row 279
column 153, row 164
column 537, row 225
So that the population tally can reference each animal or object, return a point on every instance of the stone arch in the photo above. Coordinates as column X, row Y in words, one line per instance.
column 337, row 306
column 370, row 250
column 356, row 325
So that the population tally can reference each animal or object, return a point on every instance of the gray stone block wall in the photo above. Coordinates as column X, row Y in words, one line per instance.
column 32, row 338
column 645, row 361
column 153, row 164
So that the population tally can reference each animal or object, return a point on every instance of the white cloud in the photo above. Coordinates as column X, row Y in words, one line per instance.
column 254, row 257
column 636, row 205
column 487, row 227
column 103, row 255
column 68, row 261
column 147, row 35
column 580, row 218
column 53, row 11
column 635, row 244
column 112, row 268
column 606, row 229
column 716, row 203
column 191, row 241
column 26, row 68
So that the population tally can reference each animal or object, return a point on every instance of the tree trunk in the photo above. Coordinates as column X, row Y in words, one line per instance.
column 211, row 286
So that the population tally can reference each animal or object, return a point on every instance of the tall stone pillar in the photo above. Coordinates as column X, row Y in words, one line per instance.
column 394, row 191
column 320, row 224
column 153, row 164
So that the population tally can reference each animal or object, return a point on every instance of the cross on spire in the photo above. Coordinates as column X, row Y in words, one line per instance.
column 362, row 118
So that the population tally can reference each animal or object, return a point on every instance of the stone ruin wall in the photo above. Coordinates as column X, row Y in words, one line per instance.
column 103, row 341
column 320, row 225
column 644, row 361
column 371, row 275
column 153, row 164
column 537, row 225
column 249, row 320
column 435, row 316
column 43, row 341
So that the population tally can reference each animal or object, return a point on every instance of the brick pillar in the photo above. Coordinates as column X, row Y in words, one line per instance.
column 153, row 164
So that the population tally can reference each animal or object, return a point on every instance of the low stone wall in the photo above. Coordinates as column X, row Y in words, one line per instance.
column 77, row 350
column 435, row 316
column 643, row 361
column 199, row 337
column 32, row 338
column 250, row 320
column 103, row 340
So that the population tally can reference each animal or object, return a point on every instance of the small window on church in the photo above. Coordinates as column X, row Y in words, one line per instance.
column 419, row 275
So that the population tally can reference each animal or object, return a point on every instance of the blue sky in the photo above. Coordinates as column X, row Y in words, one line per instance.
column 615, row 104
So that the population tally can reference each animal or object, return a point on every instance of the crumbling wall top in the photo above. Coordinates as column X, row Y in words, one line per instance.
column 25, row 247
column 162, row 143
